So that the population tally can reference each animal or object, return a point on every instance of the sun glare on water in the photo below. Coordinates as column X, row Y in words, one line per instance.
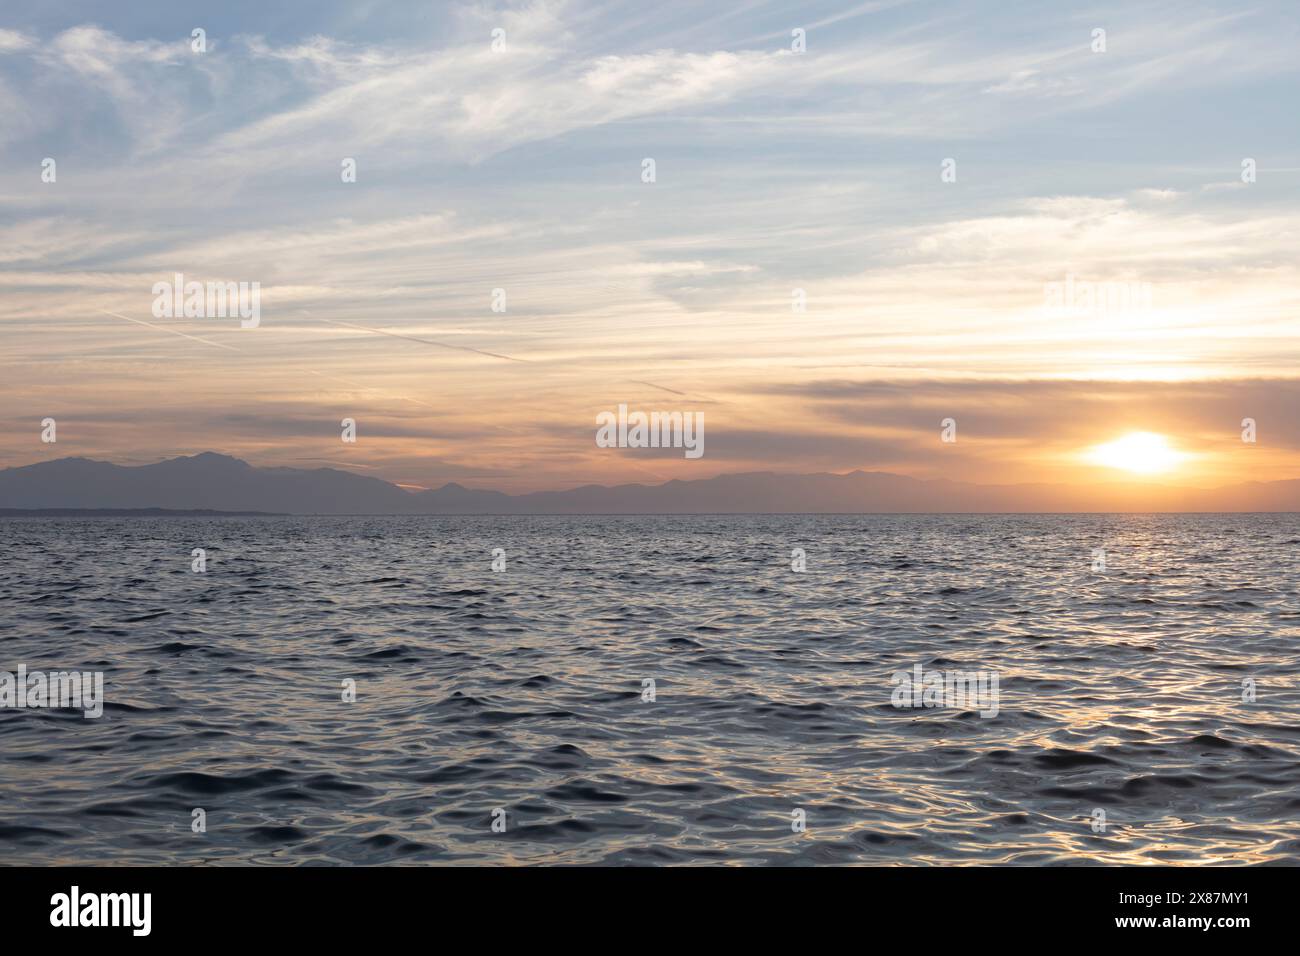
column 1143, row 453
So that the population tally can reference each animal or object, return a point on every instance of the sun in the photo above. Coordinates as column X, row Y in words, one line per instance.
column 1143, row 453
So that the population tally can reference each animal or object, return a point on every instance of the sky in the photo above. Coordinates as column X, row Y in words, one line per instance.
column 990, row 219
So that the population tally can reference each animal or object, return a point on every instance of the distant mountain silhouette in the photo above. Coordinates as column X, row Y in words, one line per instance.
column 207, row 481
column 220, row 483
column 128, row 513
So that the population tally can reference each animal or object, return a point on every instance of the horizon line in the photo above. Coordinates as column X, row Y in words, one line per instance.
column 413, row 489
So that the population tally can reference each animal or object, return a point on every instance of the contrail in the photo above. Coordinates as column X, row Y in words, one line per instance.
column 163, row 328
column 662, row 388
column 466, row 348
column 195, row 338
column 412, row 338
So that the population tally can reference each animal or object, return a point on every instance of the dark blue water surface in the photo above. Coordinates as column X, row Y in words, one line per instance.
column 1120, row 691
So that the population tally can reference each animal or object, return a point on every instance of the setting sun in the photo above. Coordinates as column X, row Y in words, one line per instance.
column 1144, row 453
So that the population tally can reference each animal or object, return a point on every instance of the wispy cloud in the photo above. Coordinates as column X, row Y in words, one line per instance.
column 519, row 169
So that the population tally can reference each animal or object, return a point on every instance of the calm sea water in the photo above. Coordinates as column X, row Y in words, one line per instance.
column 1119, row 691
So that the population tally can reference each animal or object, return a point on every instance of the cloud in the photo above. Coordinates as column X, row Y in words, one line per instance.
column 11, row 41
column 520, row 170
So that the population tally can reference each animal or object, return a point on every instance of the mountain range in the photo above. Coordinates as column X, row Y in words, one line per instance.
column 216, row 482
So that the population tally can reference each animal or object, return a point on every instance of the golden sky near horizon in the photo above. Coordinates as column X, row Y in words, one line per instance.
column 1102, row 265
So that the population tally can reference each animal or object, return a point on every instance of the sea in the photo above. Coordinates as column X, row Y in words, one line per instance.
column 896, row 690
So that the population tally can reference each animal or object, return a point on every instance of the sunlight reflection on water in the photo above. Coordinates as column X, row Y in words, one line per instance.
column 1120, row 691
